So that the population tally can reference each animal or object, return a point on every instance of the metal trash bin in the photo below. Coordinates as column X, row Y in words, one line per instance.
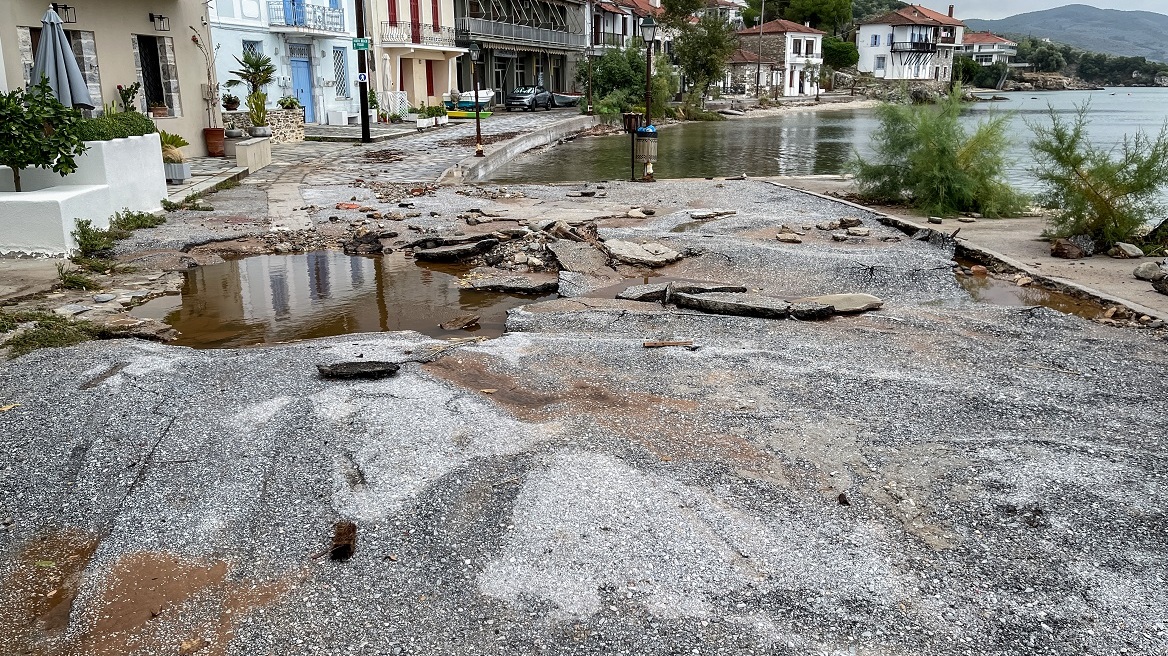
column 645, row 146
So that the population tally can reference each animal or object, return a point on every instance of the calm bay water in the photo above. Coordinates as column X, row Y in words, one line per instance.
column 822, row 142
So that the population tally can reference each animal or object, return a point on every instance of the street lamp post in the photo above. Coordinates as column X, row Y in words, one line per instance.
column 588, row 55
column 474, row 58
column 648, row 32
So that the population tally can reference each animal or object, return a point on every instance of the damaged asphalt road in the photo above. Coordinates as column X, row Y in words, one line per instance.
column 935, row 477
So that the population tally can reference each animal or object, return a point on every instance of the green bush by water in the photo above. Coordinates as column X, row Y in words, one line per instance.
column 927, row 160
column 1106, row 194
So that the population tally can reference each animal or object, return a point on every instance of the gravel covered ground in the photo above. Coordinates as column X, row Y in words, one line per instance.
column 936, row 477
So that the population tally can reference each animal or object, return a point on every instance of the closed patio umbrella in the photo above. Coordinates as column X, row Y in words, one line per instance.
column 54, row 60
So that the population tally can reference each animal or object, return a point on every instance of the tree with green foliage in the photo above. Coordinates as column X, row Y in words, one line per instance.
column 864, row 9
column 925, row 157
column 774, row 9
column 37, row 130
column 827, row 15
column 1106, row 194
column 1048, row 59
column 702, row 50
column 838, row 55
column 255, row 70
column 972, row 74
column 618, row 78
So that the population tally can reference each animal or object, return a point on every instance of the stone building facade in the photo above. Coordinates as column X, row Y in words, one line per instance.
column 795, row 51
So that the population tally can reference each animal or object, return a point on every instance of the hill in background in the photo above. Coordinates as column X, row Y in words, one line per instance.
column 1115, row 32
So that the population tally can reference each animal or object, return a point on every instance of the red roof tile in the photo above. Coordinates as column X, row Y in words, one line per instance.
column 781, row 26
column 984, row 37
column 913, row 15
column 742, row 56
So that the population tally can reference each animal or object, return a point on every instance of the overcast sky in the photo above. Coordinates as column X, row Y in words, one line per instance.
column 1003, row 8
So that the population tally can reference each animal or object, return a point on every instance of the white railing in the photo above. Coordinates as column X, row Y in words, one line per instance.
column 479, row 28
column 297, row 13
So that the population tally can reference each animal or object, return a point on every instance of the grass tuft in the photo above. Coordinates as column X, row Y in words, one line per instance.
column 72, row 279
column 48, row 331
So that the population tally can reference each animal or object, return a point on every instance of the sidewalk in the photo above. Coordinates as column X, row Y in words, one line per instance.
column 1020, row 241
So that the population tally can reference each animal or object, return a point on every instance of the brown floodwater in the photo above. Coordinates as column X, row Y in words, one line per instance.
column 266, row 299
column 987, row 289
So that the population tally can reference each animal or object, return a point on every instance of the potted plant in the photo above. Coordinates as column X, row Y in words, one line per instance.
column 257, row 112
column 411, row 114
column 127, row 96
column 373, row 106
column 440, row 116
column 230, row 102
column 425, row 118
column 158, row 109
column 231, row 131
column 212, row 135
column 174, row 161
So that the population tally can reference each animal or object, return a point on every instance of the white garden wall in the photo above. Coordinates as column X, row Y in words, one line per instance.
column 110, row 176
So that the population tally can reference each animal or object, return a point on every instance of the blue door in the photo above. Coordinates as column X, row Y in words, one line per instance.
column 302, row 87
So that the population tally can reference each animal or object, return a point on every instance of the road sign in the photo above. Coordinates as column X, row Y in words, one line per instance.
column 361, row 44
column 362, row 77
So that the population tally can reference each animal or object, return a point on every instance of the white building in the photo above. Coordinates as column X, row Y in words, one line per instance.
column 795, row 50
column 988, row 49
column 310, row 44
column 911, row 43
column 417, row 51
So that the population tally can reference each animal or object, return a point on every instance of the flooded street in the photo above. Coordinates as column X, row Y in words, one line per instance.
column 279, row 298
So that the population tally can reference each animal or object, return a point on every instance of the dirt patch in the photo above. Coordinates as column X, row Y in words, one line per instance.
column 471, row 141
column 671, row 428
column 37, row 598
column 149, row 603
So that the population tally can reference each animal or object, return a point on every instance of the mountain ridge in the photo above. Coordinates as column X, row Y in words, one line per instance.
column 1112, row 31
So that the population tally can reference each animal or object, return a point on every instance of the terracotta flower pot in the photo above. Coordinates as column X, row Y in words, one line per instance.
column 214, row 140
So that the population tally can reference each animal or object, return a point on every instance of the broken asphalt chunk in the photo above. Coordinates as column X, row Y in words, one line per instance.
column 371, row 370
column 738, row 304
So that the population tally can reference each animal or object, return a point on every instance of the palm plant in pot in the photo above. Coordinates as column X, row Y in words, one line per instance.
column 232, row 132
column 257, row 112
column 174, row 162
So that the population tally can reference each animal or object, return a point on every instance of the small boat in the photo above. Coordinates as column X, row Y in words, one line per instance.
column 566, row 99
column 465, row 101
column 458, row 113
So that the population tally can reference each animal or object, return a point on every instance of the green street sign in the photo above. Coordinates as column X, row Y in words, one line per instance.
column 361, row 44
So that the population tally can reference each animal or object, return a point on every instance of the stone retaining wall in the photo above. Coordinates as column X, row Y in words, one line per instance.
column 287, row 124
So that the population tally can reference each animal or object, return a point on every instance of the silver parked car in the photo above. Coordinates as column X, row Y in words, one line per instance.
column 529, row 98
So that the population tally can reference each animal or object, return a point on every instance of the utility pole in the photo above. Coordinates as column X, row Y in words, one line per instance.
column 758, row 64
column 362, row 72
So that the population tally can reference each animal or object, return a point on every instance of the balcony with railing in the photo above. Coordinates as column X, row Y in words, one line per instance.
column 425, row 34
column 487, row 30
column 608, row 39
column 301, row 17
column 914, row 46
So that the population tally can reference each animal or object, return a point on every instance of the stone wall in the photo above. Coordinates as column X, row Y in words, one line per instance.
column 287, row 124
column 774, row 47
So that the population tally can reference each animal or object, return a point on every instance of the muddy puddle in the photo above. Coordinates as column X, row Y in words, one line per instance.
column 278, row 298
column 987, row 289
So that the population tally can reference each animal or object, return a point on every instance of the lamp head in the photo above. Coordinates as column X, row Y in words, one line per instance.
column 648, row 28
column 474, row 51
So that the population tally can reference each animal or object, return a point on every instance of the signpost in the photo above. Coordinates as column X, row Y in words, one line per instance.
column 361, row 45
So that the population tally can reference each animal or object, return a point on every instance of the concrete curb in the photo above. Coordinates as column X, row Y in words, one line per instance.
column 234, row 173
column 986, row 256
column 476, row 169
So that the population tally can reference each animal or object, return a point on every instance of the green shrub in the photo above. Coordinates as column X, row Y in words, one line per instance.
column 116, row 126
column 1108, row 197
column 128, row 221
column 91, row 241
column 928, row 160
column 37, row 131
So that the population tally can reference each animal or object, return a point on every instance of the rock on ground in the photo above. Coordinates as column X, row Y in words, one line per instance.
column 651, row 254
column 739, row 304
